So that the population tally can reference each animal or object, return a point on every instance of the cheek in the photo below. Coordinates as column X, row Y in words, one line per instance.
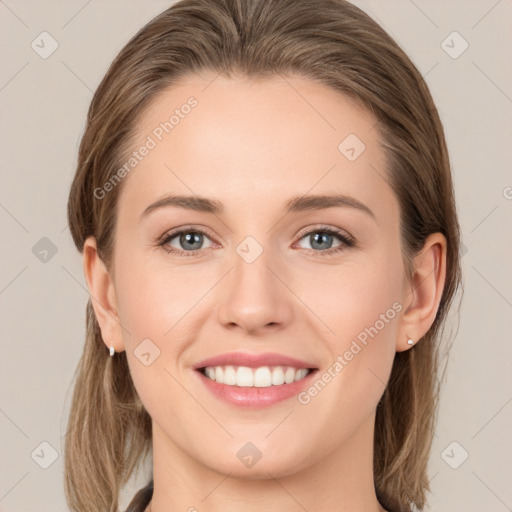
column 153, row 297
column 360, row 304
column 351, row 296
column 156, row 306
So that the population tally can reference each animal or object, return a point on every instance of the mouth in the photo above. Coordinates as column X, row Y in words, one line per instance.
column 254, row 381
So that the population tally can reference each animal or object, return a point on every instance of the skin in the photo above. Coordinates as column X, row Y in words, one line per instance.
column 253, row 145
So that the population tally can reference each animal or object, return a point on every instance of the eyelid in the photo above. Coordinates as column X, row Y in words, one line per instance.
column 325, row 227
column 196, row 228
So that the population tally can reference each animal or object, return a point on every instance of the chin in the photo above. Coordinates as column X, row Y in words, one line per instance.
column 277, row 465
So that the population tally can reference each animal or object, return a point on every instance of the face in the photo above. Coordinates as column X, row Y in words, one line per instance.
column 262, row 269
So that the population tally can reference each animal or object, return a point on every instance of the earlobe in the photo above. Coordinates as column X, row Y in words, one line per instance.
column 424, row 293
column 103, row 297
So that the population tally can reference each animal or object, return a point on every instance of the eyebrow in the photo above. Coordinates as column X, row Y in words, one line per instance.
column 296, row 204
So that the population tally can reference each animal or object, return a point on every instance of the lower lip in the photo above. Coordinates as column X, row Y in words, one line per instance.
column 253, row 397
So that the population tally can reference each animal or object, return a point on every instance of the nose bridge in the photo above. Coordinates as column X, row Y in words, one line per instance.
column 255, row 298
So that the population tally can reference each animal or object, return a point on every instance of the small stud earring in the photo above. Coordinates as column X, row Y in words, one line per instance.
column 112, row 351
column 410, row 342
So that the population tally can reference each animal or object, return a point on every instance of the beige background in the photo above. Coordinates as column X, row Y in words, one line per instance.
column 42, row 303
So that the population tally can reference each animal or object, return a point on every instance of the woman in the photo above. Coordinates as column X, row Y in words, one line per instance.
column 265, row 208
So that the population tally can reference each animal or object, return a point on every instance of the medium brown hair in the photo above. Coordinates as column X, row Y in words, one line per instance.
column 331, row 42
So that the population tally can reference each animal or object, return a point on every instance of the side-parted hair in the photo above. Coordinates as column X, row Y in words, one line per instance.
column 333, row 43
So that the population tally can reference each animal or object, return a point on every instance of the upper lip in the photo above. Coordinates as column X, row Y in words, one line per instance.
column 253, row 360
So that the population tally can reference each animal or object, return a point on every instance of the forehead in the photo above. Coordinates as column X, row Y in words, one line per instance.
column 246, row 141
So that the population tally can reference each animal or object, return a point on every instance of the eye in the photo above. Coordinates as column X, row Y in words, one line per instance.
column 189, row 241
column 321, row 240
column 184, row 242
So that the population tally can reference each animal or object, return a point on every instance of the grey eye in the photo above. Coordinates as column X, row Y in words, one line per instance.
column 320, row 240
column 187, row 241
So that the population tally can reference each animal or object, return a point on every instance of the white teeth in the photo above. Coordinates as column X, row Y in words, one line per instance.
column 289, row 375
column 229, row 376
column 277, row 376
column 244, row 377
column 262, row 377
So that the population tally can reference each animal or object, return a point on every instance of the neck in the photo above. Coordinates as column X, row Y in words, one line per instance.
column 340, row 480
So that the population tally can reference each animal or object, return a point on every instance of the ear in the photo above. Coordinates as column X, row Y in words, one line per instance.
column 423, row 295
column 103, row 297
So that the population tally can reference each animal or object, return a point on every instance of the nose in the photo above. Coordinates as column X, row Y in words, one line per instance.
column 255, row 298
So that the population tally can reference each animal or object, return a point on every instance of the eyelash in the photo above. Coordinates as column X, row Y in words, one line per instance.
column 347, row 241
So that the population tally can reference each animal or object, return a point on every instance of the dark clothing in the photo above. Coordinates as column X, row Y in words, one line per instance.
column 143, row 497
column 141, row 500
